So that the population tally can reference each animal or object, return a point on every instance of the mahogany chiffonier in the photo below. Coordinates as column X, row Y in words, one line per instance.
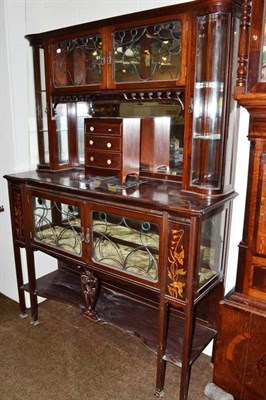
column 240, row 358
column 137, row 131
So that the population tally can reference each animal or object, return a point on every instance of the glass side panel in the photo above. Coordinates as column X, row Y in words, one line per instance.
column 57, row 224
column 232, row 137
column 42, row 121
column 208, row 118
column 42, row 69
column 78, row 61
column 130, row 245
column 83, row 111
column 44, row 111
column 46, row 147
column 263, row 61
column 62, row 133
column 212, row 247
column 148, row 53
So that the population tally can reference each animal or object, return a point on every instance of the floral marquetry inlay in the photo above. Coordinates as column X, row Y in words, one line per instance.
column 176, row 263
column 18, row 220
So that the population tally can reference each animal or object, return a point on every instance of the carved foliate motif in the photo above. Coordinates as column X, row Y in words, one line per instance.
column 18, row 216
column 176, row 262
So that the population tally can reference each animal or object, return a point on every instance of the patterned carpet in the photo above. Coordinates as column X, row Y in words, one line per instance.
column 70, row 358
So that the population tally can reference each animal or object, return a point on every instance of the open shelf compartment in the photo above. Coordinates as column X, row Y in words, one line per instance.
column 130, row 315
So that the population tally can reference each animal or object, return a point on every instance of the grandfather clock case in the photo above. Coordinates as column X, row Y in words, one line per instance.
column 240, row 359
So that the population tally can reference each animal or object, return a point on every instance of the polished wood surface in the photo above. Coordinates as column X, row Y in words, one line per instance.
column 186, row 212
column 239, row 366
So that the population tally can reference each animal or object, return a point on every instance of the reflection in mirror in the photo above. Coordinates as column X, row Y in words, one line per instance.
column 62, row 133
column 162, row 132
column 83, row 111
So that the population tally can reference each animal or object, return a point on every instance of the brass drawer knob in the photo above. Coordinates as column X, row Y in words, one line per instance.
column 109, row 162
column 92, row 158
column 92, row 128
column 109, row 145
column 91, row 142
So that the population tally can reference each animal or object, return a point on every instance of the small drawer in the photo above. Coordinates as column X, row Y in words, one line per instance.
column 101, row 159
column 102, row 142
column 106, row 127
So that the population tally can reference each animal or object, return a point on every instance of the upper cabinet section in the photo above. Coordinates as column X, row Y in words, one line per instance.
column 121, row 56
column 173, row 68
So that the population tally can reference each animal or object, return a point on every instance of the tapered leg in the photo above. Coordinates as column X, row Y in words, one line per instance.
column 162, row 334
column 186, row 353
column 32, row 285
column 21, row 294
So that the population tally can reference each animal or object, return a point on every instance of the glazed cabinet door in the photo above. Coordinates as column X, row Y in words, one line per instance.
column 57, row 224
column 213, row 130
column 77, row 62
column 148, row 55
column 126, row 243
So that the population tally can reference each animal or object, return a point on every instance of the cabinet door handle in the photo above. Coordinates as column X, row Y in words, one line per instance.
column 92, row 129
column 109, row 129
column 191, row 105
column 91, row 142
column 109, row 145
column 87, row 236
column 109, row 58
column 109, row 162
column 91, row 158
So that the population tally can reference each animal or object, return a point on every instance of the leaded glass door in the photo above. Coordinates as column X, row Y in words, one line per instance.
column 58, row 224
column 125, row 244
column 149, row 54
column 78, row 61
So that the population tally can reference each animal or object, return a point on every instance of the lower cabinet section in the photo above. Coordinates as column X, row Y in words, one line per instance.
column 240, row 357
column 149, row 260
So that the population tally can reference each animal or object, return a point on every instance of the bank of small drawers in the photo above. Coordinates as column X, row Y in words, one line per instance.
column 112, row 147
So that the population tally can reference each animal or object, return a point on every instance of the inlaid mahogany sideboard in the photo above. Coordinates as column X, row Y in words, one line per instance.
column 137, row 131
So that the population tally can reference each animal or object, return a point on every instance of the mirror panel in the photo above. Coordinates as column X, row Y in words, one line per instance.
column 162, row 132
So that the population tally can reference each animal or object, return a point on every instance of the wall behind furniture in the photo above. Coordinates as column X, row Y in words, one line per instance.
column 18, row 143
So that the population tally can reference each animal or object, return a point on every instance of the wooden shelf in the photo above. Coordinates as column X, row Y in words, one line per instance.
column 129, row 315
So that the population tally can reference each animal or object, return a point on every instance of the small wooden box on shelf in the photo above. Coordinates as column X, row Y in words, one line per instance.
column 112, row 147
